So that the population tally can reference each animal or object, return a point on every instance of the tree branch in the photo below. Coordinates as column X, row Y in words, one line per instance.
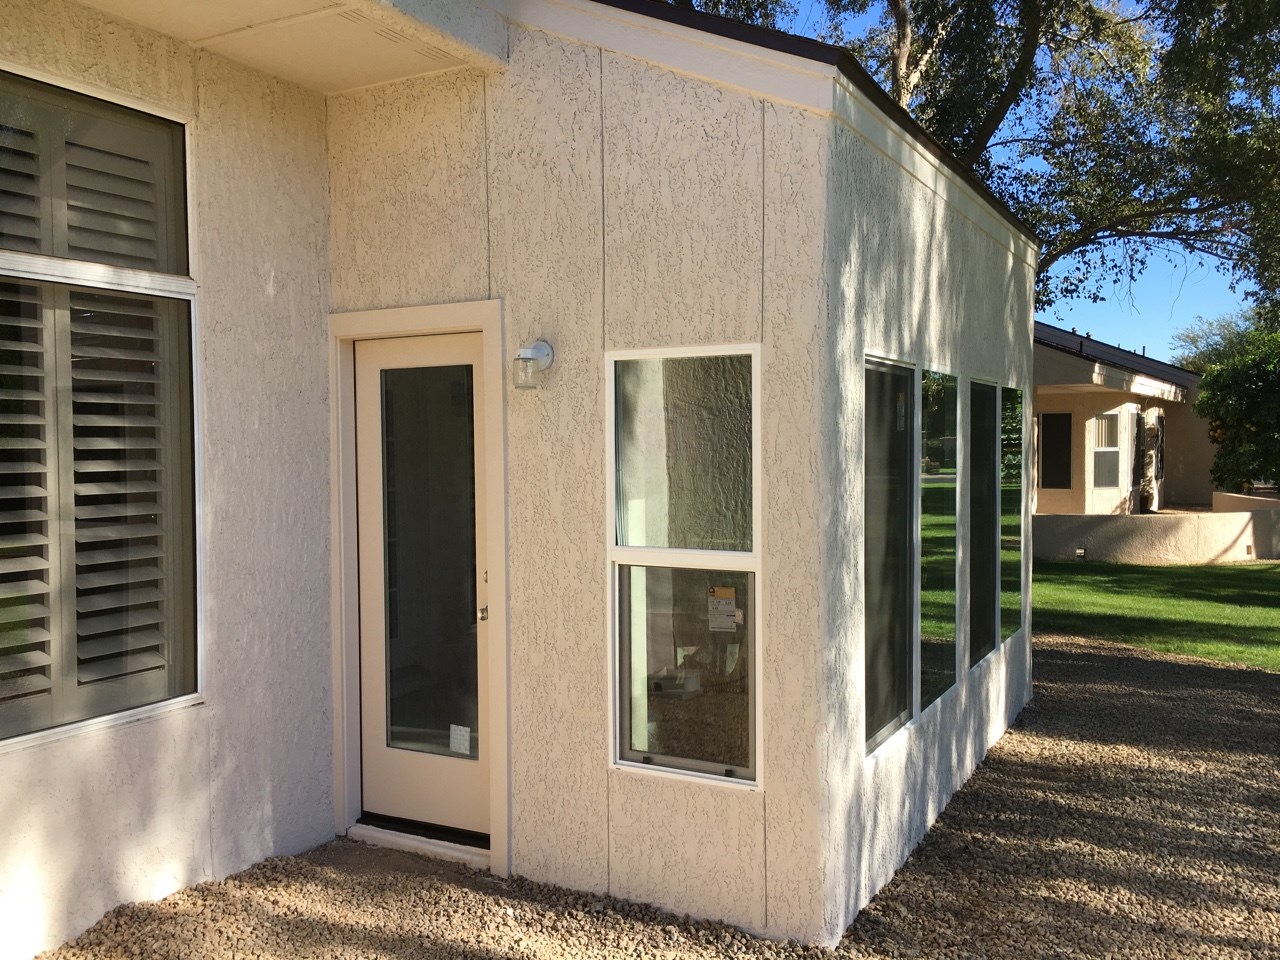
column 900, row 55
column 1031, row 17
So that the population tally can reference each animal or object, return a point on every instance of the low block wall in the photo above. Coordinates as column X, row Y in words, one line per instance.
column 1160, row 538
column 1229, row 502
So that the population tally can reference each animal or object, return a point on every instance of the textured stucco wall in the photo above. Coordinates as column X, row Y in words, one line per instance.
column 626, row 206
column 545, row 148
column 1083, row 497
column 1188, row 455
column 407, row 180
column 915, row 278
column 133, row 812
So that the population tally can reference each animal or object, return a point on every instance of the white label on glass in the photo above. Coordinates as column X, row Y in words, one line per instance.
column 459, row 739
column 722, row 611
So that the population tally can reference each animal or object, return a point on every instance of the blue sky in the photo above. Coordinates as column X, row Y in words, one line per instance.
column 1168, row 296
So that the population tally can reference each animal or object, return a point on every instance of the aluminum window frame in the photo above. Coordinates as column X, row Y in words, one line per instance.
column 748, row 562
column 42, row 268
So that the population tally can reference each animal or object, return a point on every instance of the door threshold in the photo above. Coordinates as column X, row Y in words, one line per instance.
column 472, row 856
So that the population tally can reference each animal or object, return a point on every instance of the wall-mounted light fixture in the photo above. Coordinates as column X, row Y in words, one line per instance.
column 530, row 362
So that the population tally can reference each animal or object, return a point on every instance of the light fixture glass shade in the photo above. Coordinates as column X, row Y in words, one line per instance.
column 529, row 363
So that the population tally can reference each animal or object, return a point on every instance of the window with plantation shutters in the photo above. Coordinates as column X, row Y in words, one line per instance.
column 88, row 180
column 96, row 504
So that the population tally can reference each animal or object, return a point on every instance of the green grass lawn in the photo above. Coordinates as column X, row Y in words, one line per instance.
column 1229, row 613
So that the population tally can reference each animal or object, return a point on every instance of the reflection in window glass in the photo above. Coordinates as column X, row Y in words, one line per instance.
column 684, row 652
column 684, row 452
column 888, row 562
column 937, row 536
column 984, row 521
column 1010, row 512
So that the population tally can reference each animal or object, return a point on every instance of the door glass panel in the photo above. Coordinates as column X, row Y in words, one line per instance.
column 430, row 549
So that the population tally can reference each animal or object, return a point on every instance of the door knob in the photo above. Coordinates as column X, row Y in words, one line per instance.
column 483, row 613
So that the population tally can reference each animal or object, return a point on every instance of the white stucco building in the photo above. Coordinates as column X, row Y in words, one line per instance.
column 717, row 616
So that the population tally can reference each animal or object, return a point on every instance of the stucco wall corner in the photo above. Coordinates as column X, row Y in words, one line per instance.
column 259, row 189
column 795, row 334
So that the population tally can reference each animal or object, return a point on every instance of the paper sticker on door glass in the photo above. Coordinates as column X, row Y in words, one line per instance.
column 459, row 739
column 722, row 610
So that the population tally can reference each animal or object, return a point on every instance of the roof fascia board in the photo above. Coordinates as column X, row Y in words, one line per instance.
column 1116, row 377
column 723, row 60
column 867, row 119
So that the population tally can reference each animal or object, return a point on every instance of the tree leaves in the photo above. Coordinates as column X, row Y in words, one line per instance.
column 1240, row 397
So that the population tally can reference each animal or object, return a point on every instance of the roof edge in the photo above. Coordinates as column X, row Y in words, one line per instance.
column 1169, row 373
column 846, row 64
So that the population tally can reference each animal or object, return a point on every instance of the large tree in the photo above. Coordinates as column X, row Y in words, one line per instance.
column 1240, row 397
column 1118, row 129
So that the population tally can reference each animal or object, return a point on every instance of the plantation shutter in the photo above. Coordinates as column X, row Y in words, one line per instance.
column 24, row 211
column 28, row 556
column 97, row 543
column 130, row 478
column 96, row 538
column 97, row 183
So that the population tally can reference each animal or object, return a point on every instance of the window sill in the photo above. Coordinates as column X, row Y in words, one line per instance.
column 673, row 773
column 79, row 728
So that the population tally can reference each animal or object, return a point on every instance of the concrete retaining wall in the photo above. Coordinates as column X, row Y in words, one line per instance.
column 1161, row 538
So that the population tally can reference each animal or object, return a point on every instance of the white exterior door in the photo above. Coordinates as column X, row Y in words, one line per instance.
column 423, row 580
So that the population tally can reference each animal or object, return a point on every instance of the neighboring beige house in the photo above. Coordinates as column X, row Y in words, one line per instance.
column 288, row 550
column 1115, row 430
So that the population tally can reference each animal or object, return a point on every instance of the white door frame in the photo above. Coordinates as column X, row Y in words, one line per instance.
column 484, row 317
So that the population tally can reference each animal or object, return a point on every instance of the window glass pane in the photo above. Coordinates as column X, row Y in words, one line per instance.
column 1010, row 512
column 984, row 521
column 29, row 552
column 685, row 650
column 1055, row 451
column 89, row 180
column 684, row 452
column 1107, row 431
column 938, row 431
column 429, row 521
column 105, row 533
column 888, row 568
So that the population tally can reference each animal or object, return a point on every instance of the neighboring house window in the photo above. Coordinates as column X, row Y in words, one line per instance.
column 1055, row 451
column 984, row 520
column 889, row 465
column 686, row 558
column 1106, row 450
column 938, row 432
column 96, row 501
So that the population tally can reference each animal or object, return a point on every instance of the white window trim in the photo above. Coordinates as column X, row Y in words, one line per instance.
column 749, row 562
column 40, row 268
column 1096, row 419
column 1022, row 517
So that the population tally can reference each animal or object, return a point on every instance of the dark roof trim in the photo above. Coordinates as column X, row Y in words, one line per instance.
column 1089, row 349
column 842, row 60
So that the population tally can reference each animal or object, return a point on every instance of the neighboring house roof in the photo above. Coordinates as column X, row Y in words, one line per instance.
column 1084, row 346
column 842, row 60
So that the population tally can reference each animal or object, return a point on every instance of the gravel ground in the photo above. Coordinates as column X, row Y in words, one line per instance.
column 1134, row 811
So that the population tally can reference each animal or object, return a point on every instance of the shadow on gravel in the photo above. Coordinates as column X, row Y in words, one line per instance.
column 1133, row 811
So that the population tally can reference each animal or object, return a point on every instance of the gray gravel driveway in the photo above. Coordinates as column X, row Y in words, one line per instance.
column 1134, row 811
